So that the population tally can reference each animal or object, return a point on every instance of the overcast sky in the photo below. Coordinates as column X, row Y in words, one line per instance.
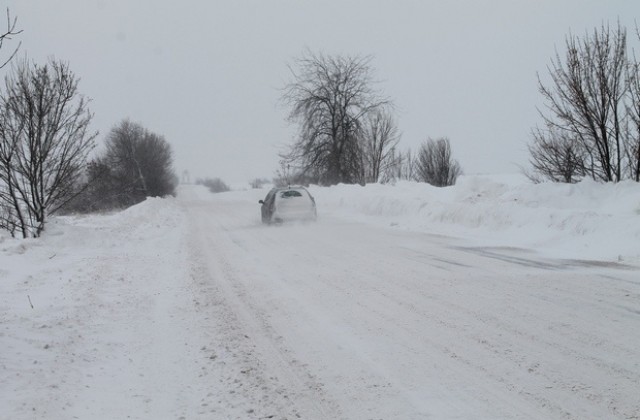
column 208, row 74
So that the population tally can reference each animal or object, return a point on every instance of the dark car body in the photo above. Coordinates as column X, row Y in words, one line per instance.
column 286, row 204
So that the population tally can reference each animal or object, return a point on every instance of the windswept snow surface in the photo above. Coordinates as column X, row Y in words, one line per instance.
column 587, row 220
column 493, row 299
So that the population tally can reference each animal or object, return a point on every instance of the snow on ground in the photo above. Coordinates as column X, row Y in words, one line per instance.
column 103, row 290
column 402, row 302
column 588, row 220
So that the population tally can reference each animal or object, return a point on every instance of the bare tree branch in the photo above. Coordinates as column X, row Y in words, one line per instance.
column 8, row 35
column 557, row 156
column 379, row 140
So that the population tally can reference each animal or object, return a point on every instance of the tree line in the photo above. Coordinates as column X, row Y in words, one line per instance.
column 347, row 132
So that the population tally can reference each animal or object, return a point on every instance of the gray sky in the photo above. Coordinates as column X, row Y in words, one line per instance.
column 207, row 74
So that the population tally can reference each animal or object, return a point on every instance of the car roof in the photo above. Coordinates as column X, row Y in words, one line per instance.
column 291, row 187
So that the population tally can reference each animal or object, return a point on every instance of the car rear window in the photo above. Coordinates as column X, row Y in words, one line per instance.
column 290, row 193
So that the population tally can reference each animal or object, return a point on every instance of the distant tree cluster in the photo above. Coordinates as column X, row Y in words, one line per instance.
column 347, row 133
column 258, row 183
column 136, row 164
column 215, row 185
column 592, row 116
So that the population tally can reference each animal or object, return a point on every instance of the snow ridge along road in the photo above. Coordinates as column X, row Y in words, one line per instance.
column 190, row 308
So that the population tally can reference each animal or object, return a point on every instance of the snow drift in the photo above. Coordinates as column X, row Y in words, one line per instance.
column 588, row 220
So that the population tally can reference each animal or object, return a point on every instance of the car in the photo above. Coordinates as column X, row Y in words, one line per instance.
column 287, row 204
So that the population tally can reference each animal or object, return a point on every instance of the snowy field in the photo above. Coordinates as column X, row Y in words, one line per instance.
column 493, row 299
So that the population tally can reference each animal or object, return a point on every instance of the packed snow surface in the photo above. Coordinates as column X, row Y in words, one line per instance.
column 493, row 299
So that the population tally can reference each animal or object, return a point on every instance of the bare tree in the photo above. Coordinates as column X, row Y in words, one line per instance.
column 556, row 156
column 330, row 96
column 435, row 165
column 44, row 142
column 633, row 123
column 408, row 166
column 585, row 99
column 400, row 166
column 380, row 138
column 8, row 35
column 140, row 163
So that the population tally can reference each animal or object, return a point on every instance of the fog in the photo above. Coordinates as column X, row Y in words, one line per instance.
column 209, row 75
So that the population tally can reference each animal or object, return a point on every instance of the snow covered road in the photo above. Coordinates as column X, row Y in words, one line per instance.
column 359, row 322
column 195, row 310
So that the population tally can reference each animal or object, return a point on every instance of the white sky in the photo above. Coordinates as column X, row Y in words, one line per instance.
column 207, row 74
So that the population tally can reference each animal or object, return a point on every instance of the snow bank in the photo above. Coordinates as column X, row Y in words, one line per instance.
column 587, row 220
column 82, row 309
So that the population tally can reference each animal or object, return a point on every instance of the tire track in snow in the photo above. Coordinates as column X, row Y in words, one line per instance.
column 267, row 368
column 473, row 326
